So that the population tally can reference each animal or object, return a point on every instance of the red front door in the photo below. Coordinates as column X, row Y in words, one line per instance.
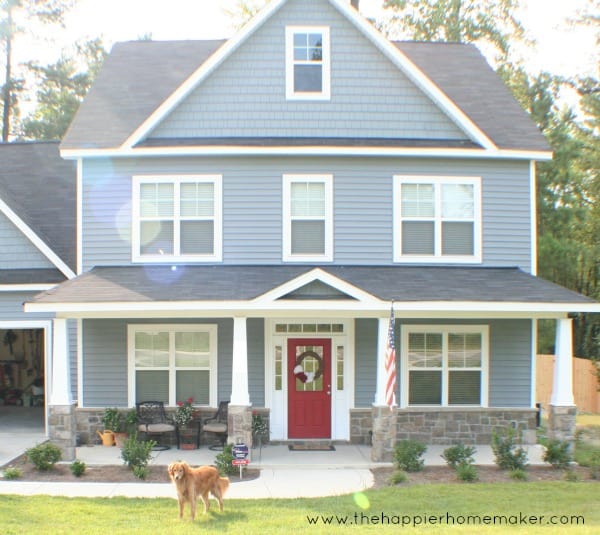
column 309, row 388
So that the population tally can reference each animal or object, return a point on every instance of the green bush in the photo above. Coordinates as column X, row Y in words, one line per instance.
column 13, row 473
column 507, row 455
column 595, row 465
column 558, row 453
column 136, row 453
column 518, row 474
column 141, row 472
column 399, row 476
column 459, row 454
column 112, row 419
column 571, row 475
column 77, row 468
column 223, row 461
column 466, row 471
column 44, row 456
column 408, row 455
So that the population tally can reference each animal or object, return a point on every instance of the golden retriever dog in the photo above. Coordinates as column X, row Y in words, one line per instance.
column 192, row 483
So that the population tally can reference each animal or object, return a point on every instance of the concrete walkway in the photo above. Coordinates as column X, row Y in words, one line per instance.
column 283, row 474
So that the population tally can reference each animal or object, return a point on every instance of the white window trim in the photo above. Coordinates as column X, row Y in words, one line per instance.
column 438, row 257
column 177, row 180
column 287, row 218
column 170, row 327
column 290, row 94
column 482, row 330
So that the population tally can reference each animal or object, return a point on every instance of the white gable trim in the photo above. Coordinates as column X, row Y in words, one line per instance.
column 393, row 53
column 316, row 274
column 36, row 240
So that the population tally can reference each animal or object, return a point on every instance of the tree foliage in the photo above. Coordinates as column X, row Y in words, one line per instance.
column 61, row 88
column 13, row 15
column 464, row 21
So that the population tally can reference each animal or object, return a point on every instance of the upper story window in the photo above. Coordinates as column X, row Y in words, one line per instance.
column 307, row 218
column 176, row 217
column 437, row 219
column 307, row 63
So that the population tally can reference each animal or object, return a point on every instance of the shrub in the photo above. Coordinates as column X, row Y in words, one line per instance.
column 408, row 455
column 558, row 453
column 223, row 461
column 518, row 474
column 44, row 456
column 459, row 454
column 13, row 473
column 112, row 419
column 77, row 468
column 507, row 455
column 399, row 476
column 466, row 472
column 141, row 472
column 595, row 465
column 136, row 453
column 571, row 475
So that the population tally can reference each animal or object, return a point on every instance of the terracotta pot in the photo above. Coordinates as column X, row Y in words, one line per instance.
column 187, row 446
column 120, row 439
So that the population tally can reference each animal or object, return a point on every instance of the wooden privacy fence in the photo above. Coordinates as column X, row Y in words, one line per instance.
column 585, row 383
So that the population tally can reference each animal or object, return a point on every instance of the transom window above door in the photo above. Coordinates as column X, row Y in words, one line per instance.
column 437, row 219
column 176, row 217
column 307, row 218
column 307, row 63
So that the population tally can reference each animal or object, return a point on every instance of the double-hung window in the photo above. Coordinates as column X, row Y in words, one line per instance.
column 307, row 218
column 445, row 365
column 437, row 219
column 307, row 63
column 177, row 218
column 171, row 363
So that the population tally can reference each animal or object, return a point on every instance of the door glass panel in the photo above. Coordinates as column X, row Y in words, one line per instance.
column 309, row 369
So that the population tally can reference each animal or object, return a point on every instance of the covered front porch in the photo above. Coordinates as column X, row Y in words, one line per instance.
column 281, row 298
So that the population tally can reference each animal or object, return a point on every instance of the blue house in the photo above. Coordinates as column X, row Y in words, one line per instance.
column 250, row 210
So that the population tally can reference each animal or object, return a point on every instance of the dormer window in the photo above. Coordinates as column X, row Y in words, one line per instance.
column 307, row 63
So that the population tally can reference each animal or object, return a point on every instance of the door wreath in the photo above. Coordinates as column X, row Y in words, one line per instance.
column 308, row 377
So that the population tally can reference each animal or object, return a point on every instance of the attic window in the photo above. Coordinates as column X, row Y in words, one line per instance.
column 307, row 63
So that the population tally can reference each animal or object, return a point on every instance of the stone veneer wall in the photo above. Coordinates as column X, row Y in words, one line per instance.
column 447, row 426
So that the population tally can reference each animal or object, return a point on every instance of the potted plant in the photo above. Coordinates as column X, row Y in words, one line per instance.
column 127, row 427
column 182, row 418
column 111, row 420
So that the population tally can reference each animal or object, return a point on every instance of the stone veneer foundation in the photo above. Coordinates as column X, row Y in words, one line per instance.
column 561, row 423
column 443, row 426
column 62, row 429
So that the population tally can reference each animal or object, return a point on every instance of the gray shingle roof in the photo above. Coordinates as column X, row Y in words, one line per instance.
column 239, row 283
column 135, row 79
column 31, row 276
column 139, row 76
column 39, row 186
column 468, row 80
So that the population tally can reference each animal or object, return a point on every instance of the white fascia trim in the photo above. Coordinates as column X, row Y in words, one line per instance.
column 36, row 240
column 202, row 72
column 79, row 217
column 533, row 217
column 375, row 308
column 417, row 76
column 26, row 287
column 228, row 150
column 316, row 274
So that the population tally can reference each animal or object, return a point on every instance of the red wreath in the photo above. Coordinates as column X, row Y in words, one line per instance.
column 308, row 377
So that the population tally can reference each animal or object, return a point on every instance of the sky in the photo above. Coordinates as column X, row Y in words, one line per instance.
column 560, row 49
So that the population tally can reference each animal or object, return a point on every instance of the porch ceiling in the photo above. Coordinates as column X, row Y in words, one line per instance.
column 242, row 288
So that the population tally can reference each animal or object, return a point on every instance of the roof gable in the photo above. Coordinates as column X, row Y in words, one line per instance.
column 37, row 194
column 233, row 102
column 142, row 83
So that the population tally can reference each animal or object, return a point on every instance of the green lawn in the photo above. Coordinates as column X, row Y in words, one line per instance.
column 513, row 502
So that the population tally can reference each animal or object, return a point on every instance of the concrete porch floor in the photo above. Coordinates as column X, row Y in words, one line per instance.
column 280, row 457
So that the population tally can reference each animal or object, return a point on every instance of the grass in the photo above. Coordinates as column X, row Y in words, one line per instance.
column 55, row 515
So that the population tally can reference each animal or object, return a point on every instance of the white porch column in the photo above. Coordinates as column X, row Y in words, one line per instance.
column 562, row 388
column 239, row 380
column 382, row 334
column 60, row 387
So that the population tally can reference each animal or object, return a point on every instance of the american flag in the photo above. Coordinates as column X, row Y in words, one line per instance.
column 390, row 364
